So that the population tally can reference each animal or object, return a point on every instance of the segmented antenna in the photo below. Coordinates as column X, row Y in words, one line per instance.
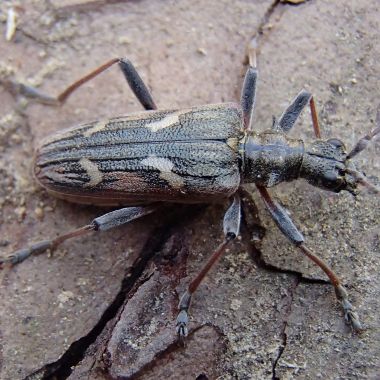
column 363, row 142
column 359, row 178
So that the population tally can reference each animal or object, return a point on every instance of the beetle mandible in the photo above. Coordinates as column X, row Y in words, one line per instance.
column 194, row 155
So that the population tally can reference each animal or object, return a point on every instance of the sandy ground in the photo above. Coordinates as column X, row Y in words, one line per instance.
column 104, row 306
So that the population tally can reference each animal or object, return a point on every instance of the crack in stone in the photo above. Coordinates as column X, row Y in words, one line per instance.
column 174, row 347
column 283, row 333
column 266, row 24
column 266, row 21
column 298, row 278
column 249, row 225
column 257, row 257
column 40, row 41
column 63, row 367
column 169, row 245
column 139, row 282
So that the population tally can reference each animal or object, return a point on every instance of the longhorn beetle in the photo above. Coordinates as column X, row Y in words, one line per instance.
column 194, row 155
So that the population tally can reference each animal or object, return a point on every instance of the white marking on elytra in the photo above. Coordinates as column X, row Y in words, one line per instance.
column 92, row 171
column 165, row 166
column 160, row 163
column 97, row 127
column 167, row 121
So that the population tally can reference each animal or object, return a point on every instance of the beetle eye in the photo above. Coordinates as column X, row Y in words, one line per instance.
column 336, row 142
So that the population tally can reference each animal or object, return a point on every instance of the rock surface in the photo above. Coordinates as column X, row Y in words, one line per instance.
column 95, row 310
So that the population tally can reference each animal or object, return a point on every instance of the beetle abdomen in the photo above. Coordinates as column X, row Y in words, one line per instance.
column 178, row 155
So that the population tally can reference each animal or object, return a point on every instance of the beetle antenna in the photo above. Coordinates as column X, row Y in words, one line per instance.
column 363, row 142
column 359, row 178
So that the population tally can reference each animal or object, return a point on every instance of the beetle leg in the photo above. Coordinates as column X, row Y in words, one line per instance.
column 248, row 92
column 248, row 95
column 102, row 223
column 136, row 84
column 231, row 226
column 131, row 75
column 286, row 122
column 287, row 227
column 290, row 115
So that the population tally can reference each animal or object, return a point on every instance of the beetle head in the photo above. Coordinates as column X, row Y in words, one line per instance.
column 326, row 164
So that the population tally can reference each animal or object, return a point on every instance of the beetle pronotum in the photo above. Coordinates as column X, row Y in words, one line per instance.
column 199, row 154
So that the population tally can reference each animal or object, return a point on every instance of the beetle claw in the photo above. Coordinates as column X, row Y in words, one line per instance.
column 350, row 316
column 181, row 325
column 352, row 319
column 15, row 258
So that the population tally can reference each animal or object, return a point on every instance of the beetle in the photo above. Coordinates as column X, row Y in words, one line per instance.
column 195, row 155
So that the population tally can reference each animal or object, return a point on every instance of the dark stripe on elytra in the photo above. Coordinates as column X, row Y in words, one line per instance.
column 191, row 183
column 181, row 167
column 50, row 149
column 110, row 139
column 198, row 152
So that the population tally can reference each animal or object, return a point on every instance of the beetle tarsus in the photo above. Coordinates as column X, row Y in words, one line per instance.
column 183, row 316
column 352, row 319
column 32, row 93
column 350, row 316
column 181, row 324
column 22, row 254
